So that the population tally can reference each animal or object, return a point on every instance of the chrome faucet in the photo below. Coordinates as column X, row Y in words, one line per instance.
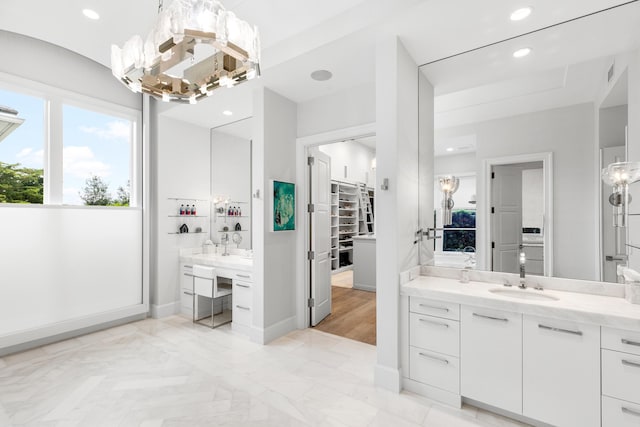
column 522, row 274
column 225, row 241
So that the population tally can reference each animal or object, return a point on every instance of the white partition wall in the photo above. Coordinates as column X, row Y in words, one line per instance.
column 63, row 265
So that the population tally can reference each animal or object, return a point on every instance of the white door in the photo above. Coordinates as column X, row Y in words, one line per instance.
column 320, row 235
column 613, row 238
column 506, row 217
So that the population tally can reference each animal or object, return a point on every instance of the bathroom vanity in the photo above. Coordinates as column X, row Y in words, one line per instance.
column 236, row 268
column 545, row 357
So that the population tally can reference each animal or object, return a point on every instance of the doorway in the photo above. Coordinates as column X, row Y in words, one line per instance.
column 351, row 235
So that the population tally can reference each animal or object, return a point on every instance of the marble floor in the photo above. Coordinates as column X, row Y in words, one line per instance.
column 169, row 372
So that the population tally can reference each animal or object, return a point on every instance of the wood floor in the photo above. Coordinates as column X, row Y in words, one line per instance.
column 353, row 315
column 343, row 279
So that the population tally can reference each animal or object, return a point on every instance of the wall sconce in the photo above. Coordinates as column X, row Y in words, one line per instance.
column 619, row 176
column 448, row 185
column 373, row 163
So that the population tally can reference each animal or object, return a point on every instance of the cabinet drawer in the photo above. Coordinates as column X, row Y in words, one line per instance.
column 442, row 309
column 244, row 276
column 621, row 375
column 241, row 314
column 435, row 369
column 621, row 340
column 242, row 294
column 435, row 334
column 617, row 413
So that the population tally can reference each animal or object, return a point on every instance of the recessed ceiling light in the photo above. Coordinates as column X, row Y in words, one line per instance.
column 521, row 14
column 321, row 75
column 91, row 14
column 450, row 149
column 227, row 113
column 521, row 53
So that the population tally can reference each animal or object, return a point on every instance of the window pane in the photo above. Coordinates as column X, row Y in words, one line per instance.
column 463, row 218
column 457, row 240
column 21, row 148
column 96, row 158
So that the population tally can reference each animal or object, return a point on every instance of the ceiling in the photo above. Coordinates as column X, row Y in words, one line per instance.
column 298, row 37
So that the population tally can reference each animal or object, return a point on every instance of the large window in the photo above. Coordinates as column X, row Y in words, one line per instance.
column 96, row 158
column 22, row 143
column 66, row 149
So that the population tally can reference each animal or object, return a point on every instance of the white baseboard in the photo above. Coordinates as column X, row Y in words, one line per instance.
column 433, row 393
column 31, row 338
column 388, row 378
column 275, row 331
column 361, row 287
column 165, row 310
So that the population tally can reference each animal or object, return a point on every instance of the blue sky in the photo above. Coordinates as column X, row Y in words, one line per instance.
column 94, row 143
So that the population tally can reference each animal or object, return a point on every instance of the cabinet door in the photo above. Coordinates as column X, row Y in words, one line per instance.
column 561, row 372
column 491, row 357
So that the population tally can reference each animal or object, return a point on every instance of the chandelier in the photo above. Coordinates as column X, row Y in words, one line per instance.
column 195, row 47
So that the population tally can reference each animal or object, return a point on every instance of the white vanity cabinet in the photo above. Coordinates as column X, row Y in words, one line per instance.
column 491, row 357
column 561, row 372
column 620, row 378
column 434, row 336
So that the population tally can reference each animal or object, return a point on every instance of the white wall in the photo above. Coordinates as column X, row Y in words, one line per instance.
column 455, row 164
column 634, row 156
column 532, row 198
column 66, row 268
column 231, row 176
column 274, row 263
column 569, row 134
column 613, row 121
column 181, row 169
column 397, row 207
column 355, row 157
column 351, row 107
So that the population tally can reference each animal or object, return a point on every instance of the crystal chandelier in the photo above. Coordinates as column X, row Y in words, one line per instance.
column 195, row 47
column 619, row 176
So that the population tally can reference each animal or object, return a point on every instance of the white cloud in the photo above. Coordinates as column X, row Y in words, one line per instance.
column 30, row 158
column 71, row 196
column 114, row 130
column 82, row 163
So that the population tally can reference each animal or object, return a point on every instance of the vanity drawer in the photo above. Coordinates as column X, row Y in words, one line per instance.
column 621, row 340
column 446, row 310
column 621, row 375
column 241, row 314
column 244, row 276
column 242, row 294
column 435, row 369
column 618, row 413
column 435, row 334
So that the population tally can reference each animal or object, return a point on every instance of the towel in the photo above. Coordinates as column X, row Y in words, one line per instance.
column 631, row 284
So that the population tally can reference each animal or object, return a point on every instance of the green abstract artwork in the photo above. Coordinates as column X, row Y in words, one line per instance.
column 284, row 206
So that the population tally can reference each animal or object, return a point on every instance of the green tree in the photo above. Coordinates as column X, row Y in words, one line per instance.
column 20, row 184
column 123, row 195
column 95, row 192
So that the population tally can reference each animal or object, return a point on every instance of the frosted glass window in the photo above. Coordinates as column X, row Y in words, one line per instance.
column 21, row 148
column 97, row 158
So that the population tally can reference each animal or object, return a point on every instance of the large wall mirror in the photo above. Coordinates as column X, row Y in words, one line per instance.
column 231, row 184
column 525, row 127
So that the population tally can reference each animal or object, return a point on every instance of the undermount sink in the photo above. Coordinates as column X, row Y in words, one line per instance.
column 523, row 294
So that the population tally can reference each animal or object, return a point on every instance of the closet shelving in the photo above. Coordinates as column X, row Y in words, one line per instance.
column 335, row 258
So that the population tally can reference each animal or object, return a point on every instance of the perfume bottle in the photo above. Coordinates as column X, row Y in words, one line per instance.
column 193, row 209
column 187, row 210
column 182, row 209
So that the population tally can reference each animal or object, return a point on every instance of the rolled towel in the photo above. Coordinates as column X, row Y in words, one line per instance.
column 631, row 284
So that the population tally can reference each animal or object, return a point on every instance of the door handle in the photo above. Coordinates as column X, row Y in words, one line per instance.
column 616, row 258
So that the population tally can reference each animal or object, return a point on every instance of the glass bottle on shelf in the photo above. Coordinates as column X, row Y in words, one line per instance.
column 193, row 209
column 182, row 209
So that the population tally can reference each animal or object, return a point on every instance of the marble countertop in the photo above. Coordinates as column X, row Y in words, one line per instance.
column 573, row 306
column 236, row 262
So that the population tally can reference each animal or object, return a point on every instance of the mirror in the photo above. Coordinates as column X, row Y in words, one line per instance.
column 527, row 138
column 231, row 184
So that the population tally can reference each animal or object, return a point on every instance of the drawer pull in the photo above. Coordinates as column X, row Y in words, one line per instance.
column 439, row 359
column 244, row 276
column 502, row 319
column 628, row 363
column 189, row 293
column 242, row 286
column 188, row 266
column 630, row 342
column 188, row 275
column 434, row 323
column 433, row 307
column 630, row 411
column 566, row 331
column 243, row 307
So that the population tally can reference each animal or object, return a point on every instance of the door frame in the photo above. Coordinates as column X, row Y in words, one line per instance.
column 484, row 197
column 303, row 312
